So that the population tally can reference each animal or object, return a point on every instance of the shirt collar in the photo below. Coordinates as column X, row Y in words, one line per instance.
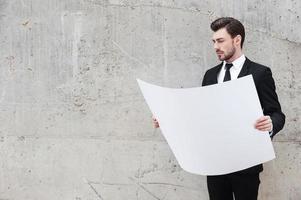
column 238, row 63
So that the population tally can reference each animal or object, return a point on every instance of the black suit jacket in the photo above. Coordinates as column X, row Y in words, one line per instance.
column 266, row 90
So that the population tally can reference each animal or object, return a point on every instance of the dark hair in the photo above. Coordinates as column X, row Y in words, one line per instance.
column 233, row 27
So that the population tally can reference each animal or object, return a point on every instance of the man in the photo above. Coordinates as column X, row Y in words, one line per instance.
column 228, row 39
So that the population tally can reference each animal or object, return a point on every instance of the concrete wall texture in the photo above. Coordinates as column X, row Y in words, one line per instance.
column 73, row 123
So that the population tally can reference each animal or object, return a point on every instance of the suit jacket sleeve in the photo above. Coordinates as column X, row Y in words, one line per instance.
column 204, row 80
column 269, row 100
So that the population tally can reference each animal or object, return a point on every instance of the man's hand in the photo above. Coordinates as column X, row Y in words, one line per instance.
column 264, row 123
column 155, row 122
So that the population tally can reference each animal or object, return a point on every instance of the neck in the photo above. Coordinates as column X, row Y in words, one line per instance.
column 236, row 55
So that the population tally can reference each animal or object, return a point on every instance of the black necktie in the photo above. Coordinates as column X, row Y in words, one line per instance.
column 227, row 74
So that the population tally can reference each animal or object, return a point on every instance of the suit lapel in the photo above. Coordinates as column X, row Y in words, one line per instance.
column 245, row 68
column 217, row 70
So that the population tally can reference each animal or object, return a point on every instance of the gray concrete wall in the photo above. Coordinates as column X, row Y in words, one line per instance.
column 73, row 123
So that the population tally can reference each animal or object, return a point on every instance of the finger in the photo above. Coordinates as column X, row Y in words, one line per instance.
column 266, row 127
column 155, row 122
column 263, row 121
column 267, row 122
column 263, row 118
column 263, row 124
column 263, row 127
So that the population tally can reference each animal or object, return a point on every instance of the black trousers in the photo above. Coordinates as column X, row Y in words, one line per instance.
column 239, row 185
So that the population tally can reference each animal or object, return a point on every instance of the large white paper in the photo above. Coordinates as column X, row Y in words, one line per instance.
column 210, row 129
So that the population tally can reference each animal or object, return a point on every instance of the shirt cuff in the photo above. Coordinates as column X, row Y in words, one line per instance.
column 271, row 131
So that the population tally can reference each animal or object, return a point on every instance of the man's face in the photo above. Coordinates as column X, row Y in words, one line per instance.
column 223, row 44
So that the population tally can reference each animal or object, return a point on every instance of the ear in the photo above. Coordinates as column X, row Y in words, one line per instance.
column 237, row 40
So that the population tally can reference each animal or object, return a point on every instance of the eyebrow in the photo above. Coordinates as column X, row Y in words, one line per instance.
column 217, row 39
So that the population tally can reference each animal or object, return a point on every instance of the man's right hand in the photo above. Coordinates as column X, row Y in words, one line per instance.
column 155, row 122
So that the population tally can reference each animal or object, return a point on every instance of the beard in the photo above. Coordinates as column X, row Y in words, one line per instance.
column 227, row 55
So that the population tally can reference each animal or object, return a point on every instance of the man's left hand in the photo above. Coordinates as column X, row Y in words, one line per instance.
column 264, row 123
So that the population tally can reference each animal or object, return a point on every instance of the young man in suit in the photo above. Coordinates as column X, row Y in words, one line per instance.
column 228, row 39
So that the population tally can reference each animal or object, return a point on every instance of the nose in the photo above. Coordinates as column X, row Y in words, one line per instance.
column 215, row 46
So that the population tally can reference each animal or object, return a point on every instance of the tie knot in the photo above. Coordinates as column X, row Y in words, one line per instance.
column 228, row 66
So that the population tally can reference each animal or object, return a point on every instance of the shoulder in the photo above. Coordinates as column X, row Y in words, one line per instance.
column 210, row 75
column 260, row 72
column 256, row 67
column 213, row 70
